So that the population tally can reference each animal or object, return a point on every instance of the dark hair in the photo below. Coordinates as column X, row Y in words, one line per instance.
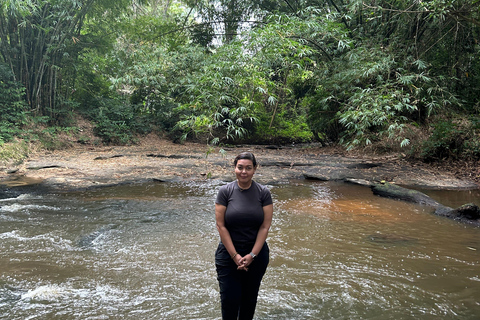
column 246, row 156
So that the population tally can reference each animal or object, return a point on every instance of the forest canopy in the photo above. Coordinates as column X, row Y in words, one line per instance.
column 405, row 74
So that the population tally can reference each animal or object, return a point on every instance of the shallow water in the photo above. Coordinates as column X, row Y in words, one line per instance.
column 146, row 252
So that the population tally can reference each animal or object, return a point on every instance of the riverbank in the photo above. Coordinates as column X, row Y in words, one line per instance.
column 156, row 159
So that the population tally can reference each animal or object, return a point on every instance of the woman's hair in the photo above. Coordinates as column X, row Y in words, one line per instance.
column 247, row 156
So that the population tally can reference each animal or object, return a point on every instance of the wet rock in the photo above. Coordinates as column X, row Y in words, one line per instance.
column 443, row 211
column 277, row 163
column 273, row 147
column 469, row 213
column 396, row 192
column 312, row 176
column 20, row 181
column 6, row 193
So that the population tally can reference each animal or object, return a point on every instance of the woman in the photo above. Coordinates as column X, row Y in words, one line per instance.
column 243, row 213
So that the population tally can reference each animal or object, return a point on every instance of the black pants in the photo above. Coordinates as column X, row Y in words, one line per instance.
column 238, row 288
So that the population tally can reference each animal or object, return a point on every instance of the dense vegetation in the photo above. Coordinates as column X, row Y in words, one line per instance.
column 392, row 73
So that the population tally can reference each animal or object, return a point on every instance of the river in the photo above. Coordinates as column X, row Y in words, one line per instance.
column 146, row 251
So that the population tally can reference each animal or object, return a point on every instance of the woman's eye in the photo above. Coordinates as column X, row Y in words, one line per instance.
column 245, row 168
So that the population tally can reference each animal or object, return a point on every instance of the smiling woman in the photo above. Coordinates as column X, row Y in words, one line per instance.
column 243, row 213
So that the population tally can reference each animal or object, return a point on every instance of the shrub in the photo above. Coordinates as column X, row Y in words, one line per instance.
column 284, row 130
column 13, row 153
column 117, row 122
column 458, row 139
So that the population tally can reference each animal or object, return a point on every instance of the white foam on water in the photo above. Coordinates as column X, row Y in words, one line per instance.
column 15, row 235
column 66, row 292
column 24, row 196
column 45, row 293
column 17, row 207
column 48, row 238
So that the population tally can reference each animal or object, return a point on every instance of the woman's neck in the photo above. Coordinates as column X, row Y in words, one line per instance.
column 244, row 186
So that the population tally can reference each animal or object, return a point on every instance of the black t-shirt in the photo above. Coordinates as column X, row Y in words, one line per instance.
column 244, row 214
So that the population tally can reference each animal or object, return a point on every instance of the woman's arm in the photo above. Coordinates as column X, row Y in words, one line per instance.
column 262, row 233
column 224, row 234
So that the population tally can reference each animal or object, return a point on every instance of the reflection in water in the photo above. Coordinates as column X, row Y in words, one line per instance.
column 146, row 252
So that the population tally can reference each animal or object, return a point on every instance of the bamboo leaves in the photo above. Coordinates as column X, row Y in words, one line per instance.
column 343, row 68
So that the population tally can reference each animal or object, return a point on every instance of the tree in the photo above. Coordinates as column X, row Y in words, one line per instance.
column 401, row 69
column 38, row 39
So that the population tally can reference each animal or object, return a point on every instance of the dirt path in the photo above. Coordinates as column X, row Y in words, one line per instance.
column 161, row 160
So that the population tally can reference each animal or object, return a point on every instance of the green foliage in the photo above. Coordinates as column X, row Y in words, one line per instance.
column 116, row 122
column 350, row 71
column 221, row 95
column 453, row 140
column 374, row 95
column 226, row 15
column 285, row 130
column 13, row 108
column 13, row 153
column 33, row 44
column 202, row 34
column 41, row 40
column 185, row 83
column 148, row 27
column 221, row 102
column 254, row 78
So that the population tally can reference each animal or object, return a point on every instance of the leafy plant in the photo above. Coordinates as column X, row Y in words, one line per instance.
column 118, row 123
column 453, row 139
column 13, row 153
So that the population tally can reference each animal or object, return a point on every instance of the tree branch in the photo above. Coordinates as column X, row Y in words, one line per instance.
column 290, row 6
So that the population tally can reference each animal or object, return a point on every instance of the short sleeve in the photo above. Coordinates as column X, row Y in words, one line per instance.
column 266, row 197
column 222, row 197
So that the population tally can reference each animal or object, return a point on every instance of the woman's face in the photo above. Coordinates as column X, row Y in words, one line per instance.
column 244, row 170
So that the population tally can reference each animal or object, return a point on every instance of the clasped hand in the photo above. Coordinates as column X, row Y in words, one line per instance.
column 244, row 262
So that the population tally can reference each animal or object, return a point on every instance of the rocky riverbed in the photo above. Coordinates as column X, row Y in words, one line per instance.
column 164, row 161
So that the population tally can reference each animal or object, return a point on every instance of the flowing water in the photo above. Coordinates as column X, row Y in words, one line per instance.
column 146, row 252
